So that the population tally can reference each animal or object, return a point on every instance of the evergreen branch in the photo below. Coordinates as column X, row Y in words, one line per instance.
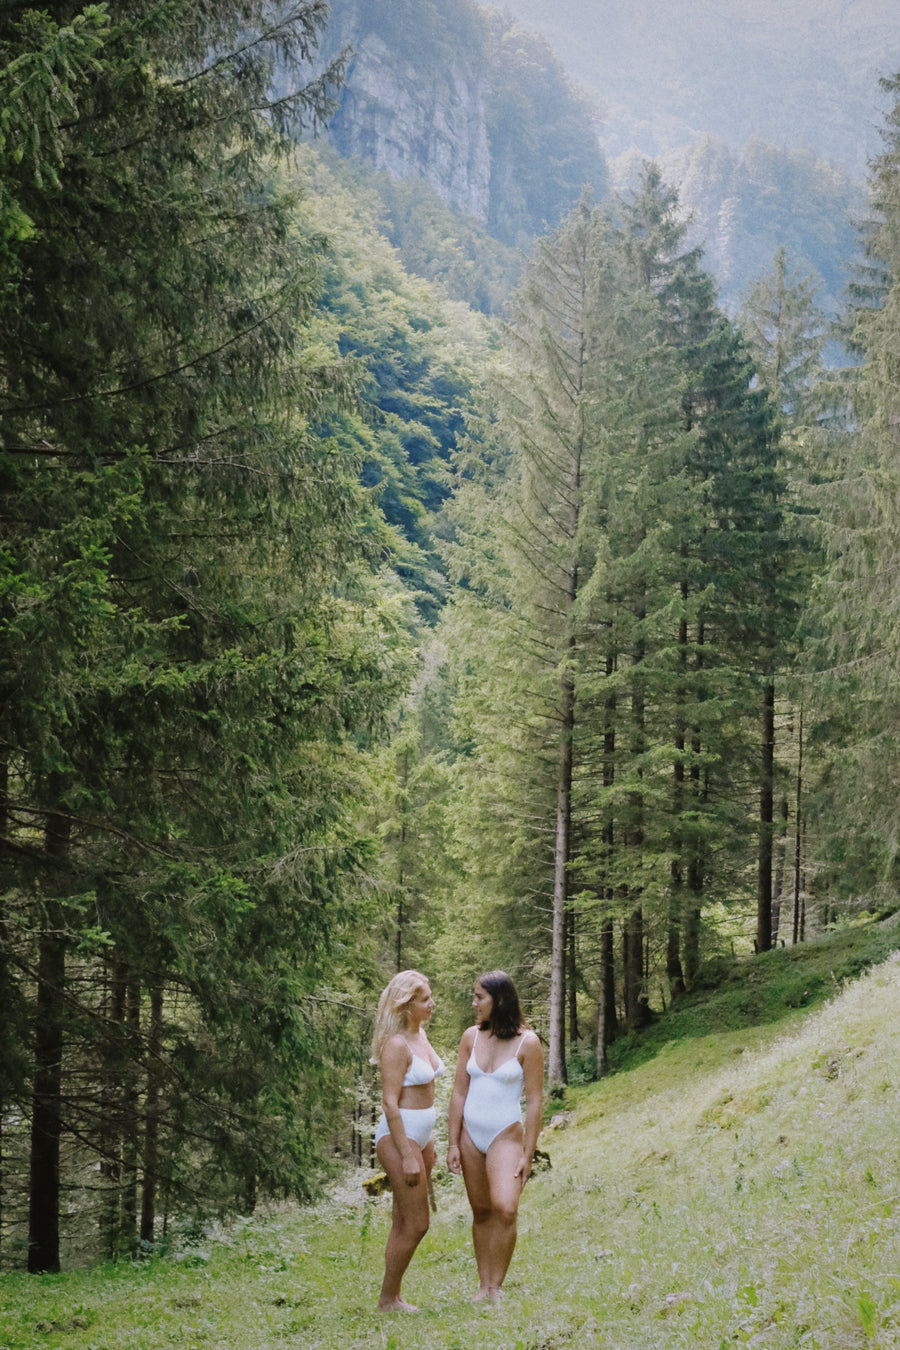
column 270, row 35
column 151, row 380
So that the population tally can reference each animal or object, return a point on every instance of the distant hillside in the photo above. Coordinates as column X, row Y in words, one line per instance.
column 744, row 206
column 761, row 117
column 799, row 73
column 455, row 96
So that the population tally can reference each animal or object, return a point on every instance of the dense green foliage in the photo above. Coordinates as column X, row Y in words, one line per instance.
column 344, row 629
column 622, row 576
column 196, row 641
column 456, row 252
column 854, row 654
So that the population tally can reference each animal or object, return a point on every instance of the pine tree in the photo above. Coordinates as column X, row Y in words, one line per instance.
column 518, row 555
column 194, row 642
column 852, row 624
column 786, row 334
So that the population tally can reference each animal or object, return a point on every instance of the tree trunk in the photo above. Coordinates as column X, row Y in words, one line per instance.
column 571, row 967
column 798, row 823
column 766, row 822
column 674, row 970
column 46, row 1118
column 152, row 1113
column 691, row 929
column 608, row 1018
column 781, row 861
column 556, row 1058
column 699, row 791
column 401, row 870
column 636, row 1005
column 114, row 1069
column 131, row 1115
column 5, row 998
column 674, row 936
column 601, row 1038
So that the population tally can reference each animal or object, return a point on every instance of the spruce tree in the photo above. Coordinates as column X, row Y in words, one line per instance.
column 194, row 639
column 786, row 334
column 854, row 645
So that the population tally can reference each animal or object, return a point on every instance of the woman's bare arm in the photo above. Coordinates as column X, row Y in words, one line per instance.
column 457, row 1101
column 533, row 1068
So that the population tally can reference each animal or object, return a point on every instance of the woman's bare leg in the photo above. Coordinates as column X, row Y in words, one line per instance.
column 493, row 1193
column 474, row 1167
column 503, row 1157
column 409, row 1221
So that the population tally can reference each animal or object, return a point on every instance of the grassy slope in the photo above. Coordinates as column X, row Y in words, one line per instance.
column 739, row 1186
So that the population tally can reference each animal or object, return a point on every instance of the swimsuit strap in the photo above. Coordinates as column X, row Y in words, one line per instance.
column 513, row 1056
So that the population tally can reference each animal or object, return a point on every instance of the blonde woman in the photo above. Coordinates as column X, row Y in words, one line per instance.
column 404, row 1135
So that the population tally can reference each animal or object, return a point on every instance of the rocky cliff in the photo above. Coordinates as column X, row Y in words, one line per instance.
column 434, row 129
column 460, row 97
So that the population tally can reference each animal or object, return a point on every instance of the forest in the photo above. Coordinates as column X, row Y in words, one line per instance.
column 347, row 626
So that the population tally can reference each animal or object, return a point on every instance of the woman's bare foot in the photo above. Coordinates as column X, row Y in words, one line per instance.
column 396, row 1305
column 489, row 1294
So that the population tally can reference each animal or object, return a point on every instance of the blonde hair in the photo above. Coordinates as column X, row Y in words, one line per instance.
column 393, row 1008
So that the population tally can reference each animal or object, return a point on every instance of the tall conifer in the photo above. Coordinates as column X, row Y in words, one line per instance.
column 193, row 640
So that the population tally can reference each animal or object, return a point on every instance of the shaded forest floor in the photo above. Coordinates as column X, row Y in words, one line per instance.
column 738, row 1184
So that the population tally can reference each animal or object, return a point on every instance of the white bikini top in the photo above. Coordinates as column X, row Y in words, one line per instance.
column 420, row 1071
column 510, row 1071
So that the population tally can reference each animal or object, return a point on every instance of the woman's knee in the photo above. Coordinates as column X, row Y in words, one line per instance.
column 506, row 1215
column 414, row 1226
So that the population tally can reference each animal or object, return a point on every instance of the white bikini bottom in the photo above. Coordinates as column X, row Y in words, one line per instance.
column 418, row 1125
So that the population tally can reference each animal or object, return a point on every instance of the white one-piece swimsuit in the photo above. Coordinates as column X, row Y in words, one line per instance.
column 494, row 1100
column 418, row 1122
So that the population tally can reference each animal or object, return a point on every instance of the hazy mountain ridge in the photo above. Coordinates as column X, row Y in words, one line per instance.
column 440, row 92
column 471, row 103
column 669, row 71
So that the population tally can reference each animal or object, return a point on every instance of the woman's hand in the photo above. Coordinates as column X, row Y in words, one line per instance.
column 523, row 1169
column 412, row 1169
column 454, row 1159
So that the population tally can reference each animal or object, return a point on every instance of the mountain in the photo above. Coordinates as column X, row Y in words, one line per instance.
column 762, row 117
column 461, row 98
column 794, row 73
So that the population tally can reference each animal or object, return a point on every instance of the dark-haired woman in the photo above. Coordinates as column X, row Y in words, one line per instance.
column 499, row 1060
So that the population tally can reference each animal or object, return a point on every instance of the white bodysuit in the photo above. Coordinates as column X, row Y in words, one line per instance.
column 494, row 1100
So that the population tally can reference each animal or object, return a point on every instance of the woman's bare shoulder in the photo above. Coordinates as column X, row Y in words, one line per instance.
column 396, row 1048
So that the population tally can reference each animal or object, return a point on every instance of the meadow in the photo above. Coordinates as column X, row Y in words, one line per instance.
column 738, row 1185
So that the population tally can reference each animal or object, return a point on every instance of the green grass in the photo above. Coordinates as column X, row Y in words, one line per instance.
column 738, row 1187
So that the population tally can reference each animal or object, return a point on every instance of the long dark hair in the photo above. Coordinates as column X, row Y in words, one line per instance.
column 505, row 1020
